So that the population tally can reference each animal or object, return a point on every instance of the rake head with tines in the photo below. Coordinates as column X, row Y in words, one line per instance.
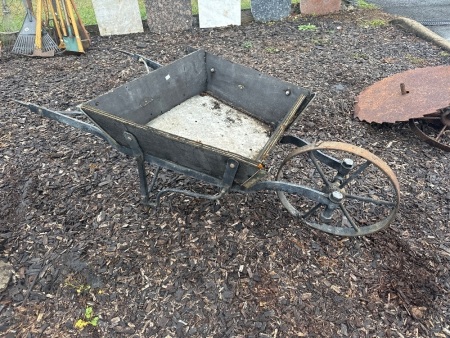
column 25, row 40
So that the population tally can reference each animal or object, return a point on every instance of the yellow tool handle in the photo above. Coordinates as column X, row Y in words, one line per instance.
column 38, row 38
column 85, row 32
column 60, row 14
column 57, row 22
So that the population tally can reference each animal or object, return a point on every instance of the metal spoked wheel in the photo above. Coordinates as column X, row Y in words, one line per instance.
column 353, row 192
column 434, row 129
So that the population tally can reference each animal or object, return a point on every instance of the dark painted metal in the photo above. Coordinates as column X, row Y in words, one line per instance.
column 325, row 159
column 140, row 58
column 259, row 95
column 147, row 97
column 139, row 156
column 287, row 187
column 120, row 118
column 129, row 107
column 72, row 122
column 227, row 182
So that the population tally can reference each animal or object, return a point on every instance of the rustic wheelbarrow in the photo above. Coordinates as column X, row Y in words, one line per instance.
column 218, row 122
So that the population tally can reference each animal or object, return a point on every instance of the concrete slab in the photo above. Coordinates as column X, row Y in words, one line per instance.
column 219, row 13
column 110, row 16
column 208, row 121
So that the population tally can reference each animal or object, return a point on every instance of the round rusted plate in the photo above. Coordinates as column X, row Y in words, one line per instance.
column 425, row 90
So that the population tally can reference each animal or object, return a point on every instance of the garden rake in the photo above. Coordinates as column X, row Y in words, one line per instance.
column 32, row 39
column 44, row 45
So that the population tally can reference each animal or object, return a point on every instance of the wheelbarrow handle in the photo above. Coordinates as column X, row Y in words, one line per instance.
column 149, row 63
column 70, row 121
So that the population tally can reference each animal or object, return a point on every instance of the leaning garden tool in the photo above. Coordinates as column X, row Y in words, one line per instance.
column 55, row 9
column 72, row 40
column 84, row 34
column 33, row 39
column 44, row 45
column 59, row 22
column 25, row 40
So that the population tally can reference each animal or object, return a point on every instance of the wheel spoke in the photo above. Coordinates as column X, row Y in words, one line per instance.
column 370, row 200
column 311, row 211
column 319, row 169
column 361, row 168
column 441, row 133
column 370, row 204
column 349, row 218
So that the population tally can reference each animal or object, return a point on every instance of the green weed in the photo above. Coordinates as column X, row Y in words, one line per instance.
column 272, row 50
column 358, row 56
column 247, row 44
column 88, row 319
column 308, row 27
column 374, row 23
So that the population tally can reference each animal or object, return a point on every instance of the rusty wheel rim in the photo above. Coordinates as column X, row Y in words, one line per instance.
column 434, row 129
column 363, row 201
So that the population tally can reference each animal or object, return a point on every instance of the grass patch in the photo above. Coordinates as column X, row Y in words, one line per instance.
column 417, row 61
column 365, row 5
column 375, row 23
column 308, row 27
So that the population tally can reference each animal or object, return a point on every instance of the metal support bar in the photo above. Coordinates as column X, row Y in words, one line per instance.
column 155, row 177
column 291, row 188
column 70, row 121
column 140, row 58
column 139, row 156
column 325, row 159
column 227, row 182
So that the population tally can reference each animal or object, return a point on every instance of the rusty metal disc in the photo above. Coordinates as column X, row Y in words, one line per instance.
column 409, row 95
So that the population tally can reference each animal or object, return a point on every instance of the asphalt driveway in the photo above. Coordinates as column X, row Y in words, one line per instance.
column 434, row 14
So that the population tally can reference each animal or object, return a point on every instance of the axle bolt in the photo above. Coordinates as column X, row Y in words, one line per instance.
column 347, row 163
column 336, row 197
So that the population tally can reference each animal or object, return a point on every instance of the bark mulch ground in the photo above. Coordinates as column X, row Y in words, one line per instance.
column 76, row 236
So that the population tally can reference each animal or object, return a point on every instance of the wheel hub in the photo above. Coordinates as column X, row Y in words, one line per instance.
column 445, row 118
column 336, row 196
